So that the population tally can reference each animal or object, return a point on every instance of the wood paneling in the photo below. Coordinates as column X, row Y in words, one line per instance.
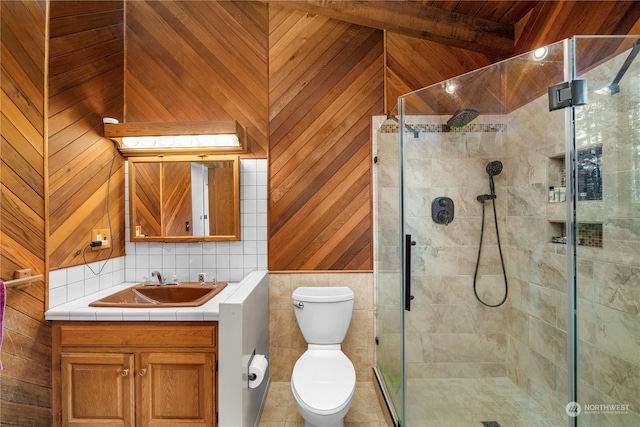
column 25, row 392
column 325, row 82
column 419, row 19
column 195, row 60
column 552, row 21
column 86, row 173
column 501, row 11
column 416, row 63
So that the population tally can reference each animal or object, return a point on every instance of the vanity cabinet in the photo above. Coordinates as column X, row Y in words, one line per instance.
column 134, row 374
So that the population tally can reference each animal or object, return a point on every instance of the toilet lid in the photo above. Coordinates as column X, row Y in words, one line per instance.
column 324, row 380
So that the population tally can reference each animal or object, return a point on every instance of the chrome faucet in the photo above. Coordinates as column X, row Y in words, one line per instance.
column 203, row 282
column 159, row 276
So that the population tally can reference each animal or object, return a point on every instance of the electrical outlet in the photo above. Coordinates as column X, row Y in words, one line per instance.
column 103, row 235
column 201, row 277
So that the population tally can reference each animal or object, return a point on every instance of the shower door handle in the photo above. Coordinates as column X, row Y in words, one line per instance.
column 407, row 271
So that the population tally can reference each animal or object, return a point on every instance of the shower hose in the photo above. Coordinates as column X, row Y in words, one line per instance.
column 504, row 272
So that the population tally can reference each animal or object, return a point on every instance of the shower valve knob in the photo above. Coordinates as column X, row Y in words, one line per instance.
column 442, row 210
column 444, row 217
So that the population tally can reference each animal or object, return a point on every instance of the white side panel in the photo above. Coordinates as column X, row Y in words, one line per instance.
column 244, row 327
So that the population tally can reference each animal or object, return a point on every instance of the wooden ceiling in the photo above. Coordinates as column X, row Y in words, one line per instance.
column 444, row 39
column 488, row 27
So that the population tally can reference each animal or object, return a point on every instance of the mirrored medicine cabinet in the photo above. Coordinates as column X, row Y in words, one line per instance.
column 184, row 198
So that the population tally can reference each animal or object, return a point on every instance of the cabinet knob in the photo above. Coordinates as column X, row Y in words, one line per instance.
column 124, row 372
column 142, row 372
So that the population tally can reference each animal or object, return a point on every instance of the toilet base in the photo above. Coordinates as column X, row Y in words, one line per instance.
column 338, row 424
column 314, row 420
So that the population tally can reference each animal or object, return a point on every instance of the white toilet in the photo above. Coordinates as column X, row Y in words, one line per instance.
column 323, row 381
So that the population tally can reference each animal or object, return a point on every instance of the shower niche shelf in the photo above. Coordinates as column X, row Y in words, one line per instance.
column 589, row 169
column 591, row 211
column 556, row 171
column 590, row 207
column 590, row 217
column 589, row 234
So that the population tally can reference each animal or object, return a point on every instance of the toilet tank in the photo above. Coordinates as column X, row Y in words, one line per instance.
column 323, row 313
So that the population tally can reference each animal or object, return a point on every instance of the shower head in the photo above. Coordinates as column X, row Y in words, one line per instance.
column 462, row 117
column 494, row 168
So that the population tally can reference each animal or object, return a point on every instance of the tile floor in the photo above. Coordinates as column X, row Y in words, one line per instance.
column 280, row 409
column 466, row 402
column 431, row 403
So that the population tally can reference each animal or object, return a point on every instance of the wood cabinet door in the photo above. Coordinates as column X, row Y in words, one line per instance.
column 223, row 218
column 176, row 389
column 97, row 389
column 146, row 202
column 177, row 217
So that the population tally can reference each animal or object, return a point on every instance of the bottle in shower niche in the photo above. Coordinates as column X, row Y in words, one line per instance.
column 552, row 195
column 561, row 194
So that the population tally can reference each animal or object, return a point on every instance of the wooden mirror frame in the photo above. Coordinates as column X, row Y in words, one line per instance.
column 161, row 174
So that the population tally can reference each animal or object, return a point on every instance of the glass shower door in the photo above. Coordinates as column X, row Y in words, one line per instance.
column 485, row 336
column 607, row 229
column 387, row 261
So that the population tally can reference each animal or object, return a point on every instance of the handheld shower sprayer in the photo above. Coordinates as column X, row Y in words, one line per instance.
column 493, row 168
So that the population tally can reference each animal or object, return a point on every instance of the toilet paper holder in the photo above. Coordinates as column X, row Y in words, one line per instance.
column 251, row 376
column 257, row 370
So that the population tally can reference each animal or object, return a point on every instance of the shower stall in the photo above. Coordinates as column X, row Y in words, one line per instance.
column 507, row 243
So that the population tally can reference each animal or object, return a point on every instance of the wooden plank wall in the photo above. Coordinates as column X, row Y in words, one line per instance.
column 196, row 60
column 86, row 71
column 25, row 382
column 550, row 22
column 415, row 63
column 325, row 82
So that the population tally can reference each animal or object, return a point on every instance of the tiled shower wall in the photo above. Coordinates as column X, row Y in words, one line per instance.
column 225, row 261
column 449, row 334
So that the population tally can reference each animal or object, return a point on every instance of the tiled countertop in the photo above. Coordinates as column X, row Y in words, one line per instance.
column 80, row 310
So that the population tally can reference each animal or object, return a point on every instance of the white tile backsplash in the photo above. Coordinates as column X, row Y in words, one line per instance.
column 224, row 261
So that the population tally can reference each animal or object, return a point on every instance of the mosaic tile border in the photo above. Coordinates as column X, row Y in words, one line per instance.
column 444, row 128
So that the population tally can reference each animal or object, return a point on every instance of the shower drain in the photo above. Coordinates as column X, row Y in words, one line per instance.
column 490, row 423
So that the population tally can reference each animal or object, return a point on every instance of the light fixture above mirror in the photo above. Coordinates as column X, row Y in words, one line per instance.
column 157, row 138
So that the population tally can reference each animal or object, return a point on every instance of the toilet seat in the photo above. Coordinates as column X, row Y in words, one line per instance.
column 323, row 381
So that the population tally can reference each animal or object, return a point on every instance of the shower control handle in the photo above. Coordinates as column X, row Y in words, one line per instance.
column 442, row 210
